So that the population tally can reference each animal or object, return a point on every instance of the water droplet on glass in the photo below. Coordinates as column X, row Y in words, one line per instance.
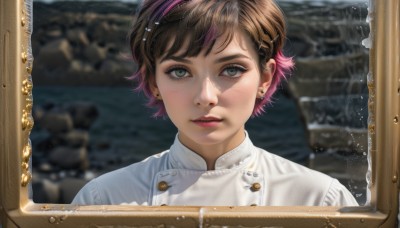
column 366, row 43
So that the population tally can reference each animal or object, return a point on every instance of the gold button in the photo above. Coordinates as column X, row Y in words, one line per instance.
column 255, row 187
column 163, row 186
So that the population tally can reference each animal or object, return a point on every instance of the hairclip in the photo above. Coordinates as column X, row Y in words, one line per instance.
column 273, row 40
column 147, row 30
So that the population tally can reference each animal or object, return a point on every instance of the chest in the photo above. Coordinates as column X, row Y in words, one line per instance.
column 212, row 188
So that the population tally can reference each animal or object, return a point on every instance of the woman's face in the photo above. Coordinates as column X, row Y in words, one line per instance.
column 209, row 98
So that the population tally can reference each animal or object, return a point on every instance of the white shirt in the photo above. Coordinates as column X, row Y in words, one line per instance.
column 244, row 176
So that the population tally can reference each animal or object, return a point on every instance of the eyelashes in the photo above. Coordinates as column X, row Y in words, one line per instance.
column 233, row 71
column 229, row 71
column 177, row 72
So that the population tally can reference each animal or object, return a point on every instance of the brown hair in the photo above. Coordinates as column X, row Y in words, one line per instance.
column 200, row 23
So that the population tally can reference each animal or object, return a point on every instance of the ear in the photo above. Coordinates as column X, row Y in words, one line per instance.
column 154, row 88
column 266, row 77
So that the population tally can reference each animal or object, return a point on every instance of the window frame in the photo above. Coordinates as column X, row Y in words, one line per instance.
column 17, row 210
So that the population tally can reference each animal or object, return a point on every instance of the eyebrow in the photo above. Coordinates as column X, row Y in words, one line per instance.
column 175, row 58
column 230, row 57
column 220, row 60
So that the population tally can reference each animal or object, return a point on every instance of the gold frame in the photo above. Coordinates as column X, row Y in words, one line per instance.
column 17, row 210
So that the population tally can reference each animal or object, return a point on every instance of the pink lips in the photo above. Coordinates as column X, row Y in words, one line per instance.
column 207, row 121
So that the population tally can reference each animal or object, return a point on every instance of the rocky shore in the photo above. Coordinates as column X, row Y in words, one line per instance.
column 86, row 44
column 82, row 45
column 62, row 149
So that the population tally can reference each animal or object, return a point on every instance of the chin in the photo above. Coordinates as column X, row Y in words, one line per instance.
column 211, row 138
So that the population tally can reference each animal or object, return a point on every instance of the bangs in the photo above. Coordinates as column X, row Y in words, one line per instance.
column 187, row 28
column 190, row 29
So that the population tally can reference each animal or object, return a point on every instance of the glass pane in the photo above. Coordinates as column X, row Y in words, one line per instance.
column 329, row 85
column 89, row 121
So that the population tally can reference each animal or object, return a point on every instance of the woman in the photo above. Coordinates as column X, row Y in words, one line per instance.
column 210, row 66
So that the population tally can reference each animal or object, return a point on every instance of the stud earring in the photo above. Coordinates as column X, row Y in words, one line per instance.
column 158, row 97
column 261, row 94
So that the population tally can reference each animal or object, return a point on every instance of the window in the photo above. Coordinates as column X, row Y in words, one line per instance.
column 16, row 123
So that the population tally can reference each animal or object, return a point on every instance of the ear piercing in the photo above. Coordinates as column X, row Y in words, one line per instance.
column 157, row 95
column 262, row 91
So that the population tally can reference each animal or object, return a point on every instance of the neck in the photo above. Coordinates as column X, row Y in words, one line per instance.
column 210, row 152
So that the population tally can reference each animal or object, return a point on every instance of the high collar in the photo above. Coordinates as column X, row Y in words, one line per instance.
column 184, row 158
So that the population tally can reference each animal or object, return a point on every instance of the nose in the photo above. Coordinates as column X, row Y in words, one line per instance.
column 206, row 94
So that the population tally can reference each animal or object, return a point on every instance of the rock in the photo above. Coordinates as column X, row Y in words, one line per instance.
column 83, row 114
column 79, row 70
column 324, row 137
column 338, row 110
column 110, row 67
column 57, row 121
column 37, row 114
column 301, row 45
column 75, row 138
column 56, row 54
column 77, row 37
column 69, row 187
column 94, row 54
column 54, row 33
column 45, row 167
column 101, row 29
column 69, row 158
column 45, row 191
column 329, row 75
column 75, row 67
column 47, row 144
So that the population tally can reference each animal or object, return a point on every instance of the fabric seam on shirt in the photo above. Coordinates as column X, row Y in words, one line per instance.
column 97, row 192
column 326, row 193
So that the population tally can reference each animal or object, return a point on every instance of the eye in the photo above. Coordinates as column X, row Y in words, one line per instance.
column 178, row 72
column 233, row 71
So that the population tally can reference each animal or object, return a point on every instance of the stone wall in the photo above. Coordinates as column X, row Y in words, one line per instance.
column 330, row 77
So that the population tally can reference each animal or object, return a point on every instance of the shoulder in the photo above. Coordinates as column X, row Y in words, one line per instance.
column 279, row 165
column 127, row 185
column 147, row 167
column 302, row 185
column 339, row 195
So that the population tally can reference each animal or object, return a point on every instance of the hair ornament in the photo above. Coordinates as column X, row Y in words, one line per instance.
column 147, row 30
column 273, row 40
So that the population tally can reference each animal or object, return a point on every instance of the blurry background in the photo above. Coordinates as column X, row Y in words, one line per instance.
column 88, row 119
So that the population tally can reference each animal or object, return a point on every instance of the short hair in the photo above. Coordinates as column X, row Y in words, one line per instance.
column 200, row 23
